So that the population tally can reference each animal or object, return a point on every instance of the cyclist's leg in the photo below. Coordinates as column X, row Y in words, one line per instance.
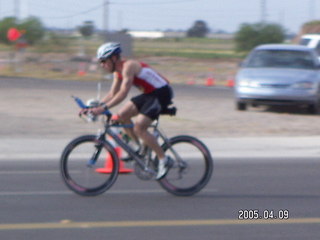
column 141, row 129
column 128, row 111
column 149, row 108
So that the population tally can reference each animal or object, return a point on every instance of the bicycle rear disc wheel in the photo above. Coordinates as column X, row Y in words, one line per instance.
column 192, row 167
column 82, row 161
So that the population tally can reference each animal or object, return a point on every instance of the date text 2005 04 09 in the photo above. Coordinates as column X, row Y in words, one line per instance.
column 253, row 214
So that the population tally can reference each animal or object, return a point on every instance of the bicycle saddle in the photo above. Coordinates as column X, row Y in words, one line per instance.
column 172, row 111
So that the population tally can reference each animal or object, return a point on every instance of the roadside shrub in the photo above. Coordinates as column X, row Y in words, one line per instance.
column 252, row 35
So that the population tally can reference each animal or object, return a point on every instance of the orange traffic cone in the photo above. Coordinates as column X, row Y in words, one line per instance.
column 81, row 73
column 81, row 70
column 210, row 82
column 109, row 165
column 230, row 83
column 191, row 82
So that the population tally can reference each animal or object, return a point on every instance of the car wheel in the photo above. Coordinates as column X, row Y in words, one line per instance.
column 241, row 106
column 313, row 108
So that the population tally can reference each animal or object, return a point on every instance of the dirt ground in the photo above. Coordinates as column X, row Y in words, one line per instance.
column 67, row 67
column 195, row 71
column 41, row 108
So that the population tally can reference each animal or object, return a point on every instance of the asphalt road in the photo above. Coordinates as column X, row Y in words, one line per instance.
column 36, row 115
column 35, row 204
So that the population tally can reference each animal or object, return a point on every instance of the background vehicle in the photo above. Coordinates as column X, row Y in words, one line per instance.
column 276, row 74
column 311, row 41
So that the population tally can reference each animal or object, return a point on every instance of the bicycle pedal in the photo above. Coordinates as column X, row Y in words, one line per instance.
column 169, row 163
column 127, row 159
column 130, row 158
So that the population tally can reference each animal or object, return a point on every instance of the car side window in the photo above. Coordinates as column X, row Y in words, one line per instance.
column 318, row 48
column 280, row 59
column 305, row 41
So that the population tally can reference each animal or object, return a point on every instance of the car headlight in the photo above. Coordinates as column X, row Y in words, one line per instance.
column 247, row 83
column 244, row 83
column 304, row 85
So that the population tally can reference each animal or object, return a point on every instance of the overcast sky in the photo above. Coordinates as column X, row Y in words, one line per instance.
column 165, row 14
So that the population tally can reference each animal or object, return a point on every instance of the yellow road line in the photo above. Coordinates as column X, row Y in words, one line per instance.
column 66, row 224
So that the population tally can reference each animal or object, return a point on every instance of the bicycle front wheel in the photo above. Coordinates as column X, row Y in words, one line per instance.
column 82, row 162
column 192, row 167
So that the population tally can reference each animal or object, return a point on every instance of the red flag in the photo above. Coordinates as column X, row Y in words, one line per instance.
column 13, row 34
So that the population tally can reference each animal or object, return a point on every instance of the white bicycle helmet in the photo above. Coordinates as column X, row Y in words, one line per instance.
column 107, row 50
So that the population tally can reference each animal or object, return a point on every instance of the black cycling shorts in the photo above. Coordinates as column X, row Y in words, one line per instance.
column 151, row 104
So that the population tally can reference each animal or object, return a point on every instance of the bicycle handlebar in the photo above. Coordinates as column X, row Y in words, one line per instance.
column 79, row 102
column 82, row 105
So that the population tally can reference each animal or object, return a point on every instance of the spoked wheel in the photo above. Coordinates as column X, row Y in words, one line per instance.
column 82, row 162
column 192, row 168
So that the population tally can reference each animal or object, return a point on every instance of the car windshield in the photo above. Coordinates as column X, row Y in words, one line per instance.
column 280, row 59
column 305, row 41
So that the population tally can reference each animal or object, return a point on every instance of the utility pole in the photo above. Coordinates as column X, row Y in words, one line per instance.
column 263, row 11
column 105, row 24
column 119, row 20
column 17, row 9
column 312, row 6
column 282, row 16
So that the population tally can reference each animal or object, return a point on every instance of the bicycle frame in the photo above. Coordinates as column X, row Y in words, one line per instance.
column 109, row 131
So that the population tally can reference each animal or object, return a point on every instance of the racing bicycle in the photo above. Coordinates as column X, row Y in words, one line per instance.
column 191, row 164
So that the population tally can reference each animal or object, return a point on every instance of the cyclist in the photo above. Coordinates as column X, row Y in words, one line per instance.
column 156, row 95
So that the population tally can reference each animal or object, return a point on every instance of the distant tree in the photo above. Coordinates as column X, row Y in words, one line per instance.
column 5, row 25
column 31, row 27
column 124, row 30
column 312, row 27
column 87, row 29
column 34, row 29
column 252, row 35
column 199, row 29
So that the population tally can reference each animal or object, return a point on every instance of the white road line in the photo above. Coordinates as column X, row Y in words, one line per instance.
column 28, row 172
column 49, row 193
column 67, row 224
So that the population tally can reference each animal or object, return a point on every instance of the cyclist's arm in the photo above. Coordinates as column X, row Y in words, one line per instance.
column 128, row 72
column 113, row 90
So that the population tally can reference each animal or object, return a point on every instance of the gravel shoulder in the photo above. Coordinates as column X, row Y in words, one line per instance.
column 38, row 108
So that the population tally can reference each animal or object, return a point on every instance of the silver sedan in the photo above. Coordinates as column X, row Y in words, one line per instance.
column 279, row 74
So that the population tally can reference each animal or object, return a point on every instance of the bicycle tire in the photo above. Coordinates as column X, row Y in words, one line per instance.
column 193, row 152
column 80, row 173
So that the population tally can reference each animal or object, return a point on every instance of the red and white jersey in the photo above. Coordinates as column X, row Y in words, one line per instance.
column 148, row 79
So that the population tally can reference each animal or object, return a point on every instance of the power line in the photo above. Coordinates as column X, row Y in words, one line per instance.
column 107, row 3
column 79, row 13
column 152, row 3
column 105, row 15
